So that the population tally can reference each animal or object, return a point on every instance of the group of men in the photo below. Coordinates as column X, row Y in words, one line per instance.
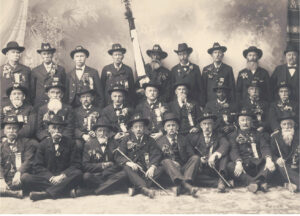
column 78, row 133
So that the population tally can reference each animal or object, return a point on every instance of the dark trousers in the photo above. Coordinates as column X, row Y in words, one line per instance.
column 293, row 174
column 187, row 172
column 40, row 183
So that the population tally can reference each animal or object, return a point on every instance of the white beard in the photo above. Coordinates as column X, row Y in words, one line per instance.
column 54, row 105
column 287, row 135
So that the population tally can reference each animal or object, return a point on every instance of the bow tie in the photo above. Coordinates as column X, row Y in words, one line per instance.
column 118, row 109
column 292, row 67
column 103, row 145
column 79, row 69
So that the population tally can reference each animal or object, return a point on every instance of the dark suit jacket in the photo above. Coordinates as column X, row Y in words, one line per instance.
column 47, row 164
column 74, row 84
column 211, row 75
column 38, row 79
column 7, row 158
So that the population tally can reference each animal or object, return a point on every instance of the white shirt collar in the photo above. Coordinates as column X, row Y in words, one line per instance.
column 218, row 65
column 170, row 139
column 151, row 102
column 188, row 64
column 222, row 102
column 115, row 106
column 118, row 68
column 48, row 67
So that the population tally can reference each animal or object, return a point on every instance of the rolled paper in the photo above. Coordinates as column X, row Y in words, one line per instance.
column 18, row 160
column 89, row 123
column 147, row 160
column 91, row 82
column 191, row 119
column 254, row 150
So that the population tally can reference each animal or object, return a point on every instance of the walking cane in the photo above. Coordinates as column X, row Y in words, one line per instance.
column 141, row 169
column 219, row 174
column 290, row 187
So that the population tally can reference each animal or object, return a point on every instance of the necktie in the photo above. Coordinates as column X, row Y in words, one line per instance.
column 78, row 68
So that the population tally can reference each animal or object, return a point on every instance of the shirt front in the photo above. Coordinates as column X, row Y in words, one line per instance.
column 79, row 72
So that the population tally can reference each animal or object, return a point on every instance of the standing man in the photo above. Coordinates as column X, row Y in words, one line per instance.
column 117, row 73
column 83, row 75
column 189, row 73
column 288, row 72
column 252, row 71
column 13, row 72
column 16, row 157
column 45, row 71
column 218, row 72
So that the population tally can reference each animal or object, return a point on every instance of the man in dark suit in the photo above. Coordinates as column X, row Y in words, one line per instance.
column 212, row 149
column 287, row 140
column 252, row 71
column 250, row 154
column 13, row 72
column 57, row 165
column 217, row 72
column 101, row 173
column 144, row 154
column 54, row 89
column 117, row 73
column 24, row 111
column 43, row 72
column 284, row 103
column 187, row 110
column 152, row 108
column 16, row 157
column 189, row 73
column 179, row 160
column 83, row 75
column 288, row 72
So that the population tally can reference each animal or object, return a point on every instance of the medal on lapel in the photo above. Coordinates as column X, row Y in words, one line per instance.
column 18, row 160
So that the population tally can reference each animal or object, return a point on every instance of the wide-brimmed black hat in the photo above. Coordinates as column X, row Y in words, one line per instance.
column 46, row 47
column 282, row 85
column 217, row 46
column 117, row 87
column 168, row 116
column 103, row 122
column 116, row 47
column 253, row 49
column 12, row 45
column 152, row 83
column 11, row 119
column 254, row 83
column 220, row 85
column 79, row 49
column 16, row 86
column 291, row 48
column 207, row 115
column 157, row 50
column 54, row 82
column 287, row 115
column 245, row 112
column 137, row 117
column 184, row 47
column 83, row 89
column 55, row 119
column 181, row 82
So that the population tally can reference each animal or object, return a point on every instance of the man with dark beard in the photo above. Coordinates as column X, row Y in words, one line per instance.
column 288, row 143
column 54, row 89
column 252, row 71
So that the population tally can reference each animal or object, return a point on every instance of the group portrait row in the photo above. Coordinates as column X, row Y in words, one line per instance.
column 81, row 132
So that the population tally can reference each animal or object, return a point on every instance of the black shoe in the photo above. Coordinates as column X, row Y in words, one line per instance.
column 148, row 192
column 221, row 186
column 264, row 187
column 34, row 196
column 80, row 192
column 191, row 190
column 13, row 193
column 253, row 187
column 176, row 190
column 131, row 191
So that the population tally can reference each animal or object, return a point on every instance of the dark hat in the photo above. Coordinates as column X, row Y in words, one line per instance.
column 245, row 112
column 116, row 47
column 216, row 46
column 117, row 87
column 55, row 119
column 137, row 117
column 287, row 115
column 254, row 83
column 168, row 116
column 11, row 119
column 207, row 115
column 16, row 86
column 12, row 45
column 152, row 84
column 181, row 82
column 291, row 48
column 54, row 82
column 253, row 49
column 79, row 49
column 283, row 84
column 220, row 85
column 184, row 47
column 46, row 47
column 157, row 49
column 103, row 122
column 85, row 89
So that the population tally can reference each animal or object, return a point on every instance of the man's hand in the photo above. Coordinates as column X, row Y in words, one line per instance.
column 132, row 165
column 86, row 137
column 107, row 164
column 150, row 172
column 92, row 133
column 212, row 158
column 260, row 129
column 194, row 130
column 238, row 169
column 280, row 161
column 57, row 179
column 203, row 160
column 120, row 135
column 156, row 135
column 3, row 185
column 17, row 179
column 269, row 164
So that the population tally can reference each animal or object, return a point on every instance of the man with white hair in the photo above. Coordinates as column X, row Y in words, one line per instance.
column 288, row 153
column 55, row 91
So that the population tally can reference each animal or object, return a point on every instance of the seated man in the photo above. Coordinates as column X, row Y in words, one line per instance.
column 24, row 111
column 179, row 161
column 16, row 156
column 118, row 113
column 85, row 117
column 140, row 156
column 281, row 105
column 287, row 140
column 250, row 154
column 101, row 173
column 213, row 152
column 222, row 108
column 54, row 89
column 187, row 111
column 153, row 109
column 56, row 165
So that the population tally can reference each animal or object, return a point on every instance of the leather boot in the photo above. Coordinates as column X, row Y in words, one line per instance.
column 191, row 190
column 81, row 192
column 148, row 192
column 221, row 186
column 12, row 193
column 34, row 196
column 131, row 191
